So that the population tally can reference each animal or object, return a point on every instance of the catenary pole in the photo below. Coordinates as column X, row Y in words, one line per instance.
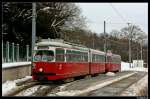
column 129, row 45
column 33, row 29
column 104, row 38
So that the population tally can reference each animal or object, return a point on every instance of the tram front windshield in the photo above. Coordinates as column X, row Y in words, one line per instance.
column 44, row 55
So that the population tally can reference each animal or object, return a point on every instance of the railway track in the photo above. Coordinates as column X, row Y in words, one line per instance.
column 37, row 90
column 116, row 88
column 32, row 88
column 21, row 88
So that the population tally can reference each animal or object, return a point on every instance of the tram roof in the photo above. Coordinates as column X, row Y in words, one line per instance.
column 64, row 44
column 97, row 51
column 116, row 55
column 60, row 43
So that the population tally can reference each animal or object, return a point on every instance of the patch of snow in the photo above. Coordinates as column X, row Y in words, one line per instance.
column 61, row 88
column 90, row 88
column 23, row 79
column 110, row 74
column 69, row 93
column 134, row 89
column 15, row 64
column 7, row 86
column 29, row 91
column 10, row 85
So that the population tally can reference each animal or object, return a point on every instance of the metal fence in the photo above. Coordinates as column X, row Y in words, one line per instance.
column 15, row 53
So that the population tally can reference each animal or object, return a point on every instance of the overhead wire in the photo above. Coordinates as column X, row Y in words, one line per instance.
column 121, row 16
column 118, row 13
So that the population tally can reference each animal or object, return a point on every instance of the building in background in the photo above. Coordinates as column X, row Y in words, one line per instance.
column 138, row 63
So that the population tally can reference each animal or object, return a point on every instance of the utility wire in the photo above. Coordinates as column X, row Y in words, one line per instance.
column 118, row 13
column 121, row 16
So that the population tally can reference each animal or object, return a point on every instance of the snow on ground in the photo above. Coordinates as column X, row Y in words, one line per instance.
column 110, row 74
column 10, row 85
column 88, row 89
column 125, row 67
column 137, row 88
column 14, row 64
column 7, row 86
column 29, row 91
column 23, row 79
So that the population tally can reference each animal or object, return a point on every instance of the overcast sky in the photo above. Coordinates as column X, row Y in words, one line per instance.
column 96, row 13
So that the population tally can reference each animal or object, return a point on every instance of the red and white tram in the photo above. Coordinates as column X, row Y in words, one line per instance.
column 56, row 59
column 113, row 63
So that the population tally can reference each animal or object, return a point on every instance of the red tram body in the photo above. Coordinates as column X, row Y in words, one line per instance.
column 54, row 60
column 113, row 63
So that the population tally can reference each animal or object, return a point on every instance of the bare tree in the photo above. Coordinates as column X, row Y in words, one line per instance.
column 115, row 33
column 137, row 33
column 61, row 15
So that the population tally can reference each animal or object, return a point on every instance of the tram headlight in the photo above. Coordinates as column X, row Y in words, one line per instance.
column 40, row 69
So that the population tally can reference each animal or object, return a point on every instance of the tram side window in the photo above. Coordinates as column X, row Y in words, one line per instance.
column 100, row 58
column 115, row 60
column 97, row 58
column 68, row 56
column 60, row 54
column 85, row 57
column 72, row 56
column 76, row 56
column 94, row 58
column 103, row 58
column 80, row 57
column 118, row 60
column 109, row 59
